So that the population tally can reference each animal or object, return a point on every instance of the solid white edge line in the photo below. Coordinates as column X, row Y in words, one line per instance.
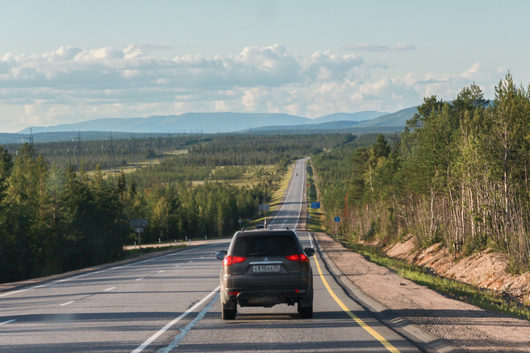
column 91, row 273
column 301, row 196
column 7, row 322
column 286, row 197
column 150, row 340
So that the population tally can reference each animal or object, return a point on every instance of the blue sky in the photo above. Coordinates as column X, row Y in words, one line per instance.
column 67, row 61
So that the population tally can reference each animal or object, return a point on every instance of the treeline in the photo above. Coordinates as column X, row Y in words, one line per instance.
column 191, row 194
column 457, row 175
column 203, row 160
column 108, row 153
column 55, row 219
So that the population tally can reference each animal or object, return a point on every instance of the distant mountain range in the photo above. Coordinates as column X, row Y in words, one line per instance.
column 226, row 122
column 200, row 122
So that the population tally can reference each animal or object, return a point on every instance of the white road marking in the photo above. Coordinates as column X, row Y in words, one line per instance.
column 161, row 271
column 173, row 322
column 183, row 332
column 67, row 303
column 7, row 322
column 109, row 289
column 139, row 279
column 301, row 199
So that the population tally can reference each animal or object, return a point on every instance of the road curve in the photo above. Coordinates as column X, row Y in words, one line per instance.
column 170, row 303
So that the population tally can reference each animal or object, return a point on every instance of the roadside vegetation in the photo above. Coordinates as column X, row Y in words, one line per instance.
column 484, row 298
column 56, row 216
column 458, row 174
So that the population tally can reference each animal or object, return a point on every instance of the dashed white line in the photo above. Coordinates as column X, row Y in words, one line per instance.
column 139, row 279
column 67, row 303
column 109, row 289
column 161, row 271
column 7, row 322
column 173, row 322
column 183, row 332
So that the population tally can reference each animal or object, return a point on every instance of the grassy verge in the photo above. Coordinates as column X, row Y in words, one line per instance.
column 483, row 298
column 316, row 215
column 276, row 198
column 278, row 194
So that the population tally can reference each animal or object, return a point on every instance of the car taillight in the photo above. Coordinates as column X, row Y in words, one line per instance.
column 295, row 257
column 298, row 257
column 230, row 260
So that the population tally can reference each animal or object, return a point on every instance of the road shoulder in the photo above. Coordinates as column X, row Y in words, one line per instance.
column 433, row 322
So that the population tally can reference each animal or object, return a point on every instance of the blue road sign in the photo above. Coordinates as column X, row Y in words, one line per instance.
column 315, row 204
column 337, row 219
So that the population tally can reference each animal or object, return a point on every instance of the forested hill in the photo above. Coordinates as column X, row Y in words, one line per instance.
column 221, row 122
column 458, row 175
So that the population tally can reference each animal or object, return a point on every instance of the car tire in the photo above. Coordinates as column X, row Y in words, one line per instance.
column 305, row 312
column 227, row 313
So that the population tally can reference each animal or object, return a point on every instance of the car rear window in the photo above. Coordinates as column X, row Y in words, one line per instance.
column 265, row 245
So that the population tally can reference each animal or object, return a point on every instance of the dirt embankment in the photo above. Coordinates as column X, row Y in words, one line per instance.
column 485, row 269
column 470, row 328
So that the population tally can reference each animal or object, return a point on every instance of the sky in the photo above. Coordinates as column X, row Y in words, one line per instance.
column 69, row 61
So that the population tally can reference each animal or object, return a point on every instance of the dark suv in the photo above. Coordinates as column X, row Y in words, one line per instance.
column 264, row 268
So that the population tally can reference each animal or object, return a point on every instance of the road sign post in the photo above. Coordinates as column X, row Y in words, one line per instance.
column 337, row 220
column 138, row 224
column 265, row 208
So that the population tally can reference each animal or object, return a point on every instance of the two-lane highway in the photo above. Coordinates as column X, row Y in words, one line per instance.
column 170, row 303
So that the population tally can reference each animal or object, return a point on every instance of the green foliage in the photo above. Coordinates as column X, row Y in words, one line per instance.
column 458, row 175
column 108, row 153
column 54, row 219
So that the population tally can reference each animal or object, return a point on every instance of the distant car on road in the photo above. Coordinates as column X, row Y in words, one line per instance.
column 263, row 268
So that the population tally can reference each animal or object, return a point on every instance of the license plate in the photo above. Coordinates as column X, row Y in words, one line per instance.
column 266, row 268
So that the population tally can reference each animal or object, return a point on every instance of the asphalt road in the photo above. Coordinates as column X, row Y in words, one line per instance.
column 170, row 303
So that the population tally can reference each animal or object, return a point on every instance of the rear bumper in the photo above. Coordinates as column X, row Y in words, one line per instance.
column 265, row 297
column 249, row 291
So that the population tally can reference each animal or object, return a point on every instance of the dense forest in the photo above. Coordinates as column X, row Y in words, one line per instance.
column 110, row 152
column 56, row 216
column 458, row 174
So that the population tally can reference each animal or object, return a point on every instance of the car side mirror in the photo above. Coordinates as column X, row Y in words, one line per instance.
column 220, row 255
column 309, row 251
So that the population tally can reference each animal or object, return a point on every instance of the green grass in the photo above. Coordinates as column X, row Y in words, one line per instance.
column 483, row 298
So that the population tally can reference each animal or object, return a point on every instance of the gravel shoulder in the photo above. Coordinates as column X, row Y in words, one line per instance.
column 470, row 328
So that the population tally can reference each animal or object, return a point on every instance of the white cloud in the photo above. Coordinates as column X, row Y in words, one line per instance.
column 73, row 84
column 471, row 72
